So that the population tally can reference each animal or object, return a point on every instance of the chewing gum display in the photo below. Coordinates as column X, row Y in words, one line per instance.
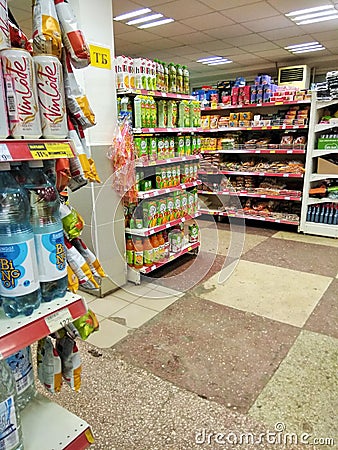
column 49, row 365
column 72, row 37
column 70, row 361
column 46, row 29
column 4, row 26
column 76, row 100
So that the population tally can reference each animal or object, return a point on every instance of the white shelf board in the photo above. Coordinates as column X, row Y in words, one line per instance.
column 324, row 126
column 322, row 176
column 48, row 426
column 326, row 103
column 320, row 229
column 317, row 201
column 318, row 152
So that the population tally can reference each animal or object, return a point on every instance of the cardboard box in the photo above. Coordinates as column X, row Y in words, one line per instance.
column 327, row 167
column 327, row 143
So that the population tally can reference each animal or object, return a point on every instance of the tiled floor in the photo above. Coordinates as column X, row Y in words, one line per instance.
column 241, row 339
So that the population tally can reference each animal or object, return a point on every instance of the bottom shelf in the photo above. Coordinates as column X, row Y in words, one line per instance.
column 243, row 215
column 320, row 229
column 48, row 426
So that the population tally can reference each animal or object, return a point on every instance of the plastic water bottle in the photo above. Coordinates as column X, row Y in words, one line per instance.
column 10, row 430
column 22, row 369
column 48, row 234
column 19, row 282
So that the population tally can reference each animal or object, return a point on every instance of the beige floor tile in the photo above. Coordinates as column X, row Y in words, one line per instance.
column 125, row 295
column 108, row 334
column 273, row 292
column 157, row 304
column 107, row 306
column 88, row 297
column 134, row 315
column 136, row 289
column 163, row 291
column 219, row 241
column 308, row 239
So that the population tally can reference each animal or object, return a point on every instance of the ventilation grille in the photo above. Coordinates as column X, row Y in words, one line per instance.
column 297, row 76
column 294, row 74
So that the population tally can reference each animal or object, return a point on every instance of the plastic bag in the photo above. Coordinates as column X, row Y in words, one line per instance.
column 76, row 100
column 72, row 37
column 46, row 29
column 70, row 361
column 49, row 365
column 92, row 175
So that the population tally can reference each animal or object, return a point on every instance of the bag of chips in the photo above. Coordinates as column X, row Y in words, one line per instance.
column 90, row 258
column 70, row 361
column 49, row 365
column 72, row 37
column 73, row 282
column 71, row 220
column 4, row 29
column 18, row 38
column 87, row 324
column 46, row 29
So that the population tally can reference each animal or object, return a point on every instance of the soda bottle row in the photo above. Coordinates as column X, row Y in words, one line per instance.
column 323, row 213
column 32, row 253
column 164, row 147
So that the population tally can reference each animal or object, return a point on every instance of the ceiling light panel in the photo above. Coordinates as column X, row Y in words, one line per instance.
column 309, row 10
column 144, row 19
column 313, row 15
column 210, row 58
column 148, row 16
column 156, row 24
column 305, row 48
column 129, row 15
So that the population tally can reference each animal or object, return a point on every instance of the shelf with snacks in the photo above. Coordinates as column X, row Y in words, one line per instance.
column 161, row 227
column 221, row 106
column 320, row 193
column 241, row 214
column 253, row 128
column 167, row 130
column 255, row 174
column 269, row 151
column 279, row 195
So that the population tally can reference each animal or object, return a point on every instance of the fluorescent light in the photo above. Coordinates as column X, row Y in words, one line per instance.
column 307, row 44
column 309, row 10
column 131, row 14
column 314, row 49
column 320, row 19
column 226, row 61
column 144, row 19
column 211, row 58
column 155, row 24
column 312, row 16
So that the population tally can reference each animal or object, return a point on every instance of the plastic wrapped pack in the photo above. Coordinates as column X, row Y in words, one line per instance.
column 18, row 38
column 90, row 258
column 70, row 361
column 49, row 365
column 4, row 28
column 71, row 220
column 73, row 282
column 86, row 324
column 46, row 29
column 72, row 37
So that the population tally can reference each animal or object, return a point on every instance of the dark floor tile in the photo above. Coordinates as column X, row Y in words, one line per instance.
column 188, row 271
column 311, row 258
column 218, row 352
column 250, row 227
column 324, row 318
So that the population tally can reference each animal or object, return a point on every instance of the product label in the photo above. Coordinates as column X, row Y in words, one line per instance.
column 138, row 259
column 148, row 256
column 130, row 257
column 18, row 269
column 21, row 366
column 51, row 253
column 9, row 436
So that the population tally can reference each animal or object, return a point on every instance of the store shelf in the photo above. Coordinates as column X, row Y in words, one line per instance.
column 256, row 105
column 157, row 192
column 257, row 174
column 48, row 426
column 242, row 215
column 269, row 127
column 323, row 127
column 155, row 94
column 317, row 201
column 158, row 228
column 162, row 162
column 326, row 103
column 316, row 153
column 257, row 151
column 167, row 130
column 172, row 257
column 38, row 149
column 22, row 331
column 322, row 176
column 252, row 194
column 321, row 229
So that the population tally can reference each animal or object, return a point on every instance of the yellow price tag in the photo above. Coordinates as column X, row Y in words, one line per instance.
column 89, row 436
column 100, row 57
column 39, row 154
column 59, row 150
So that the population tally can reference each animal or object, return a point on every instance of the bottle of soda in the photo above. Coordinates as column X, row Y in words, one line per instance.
column 10, row 433
column 22, row 369
column 19, row 284
column 48, row 234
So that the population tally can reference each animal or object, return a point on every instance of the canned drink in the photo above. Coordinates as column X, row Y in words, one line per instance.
column 22, row 100
column 51, row 96
column 4, row 128
column 5, row 41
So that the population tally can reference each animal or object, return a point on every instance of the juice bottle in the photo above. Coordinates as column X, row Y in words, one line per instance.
column 179, row 79
column 166, row 77
column 161, row 242
column 172, row 78
column 148, row 252
column 186, row 80
column 130, row 251
column 156, row 246
column 138, row 253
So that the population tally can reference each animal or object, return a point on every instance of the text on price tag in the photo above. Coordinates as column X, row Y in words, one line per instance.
column 58, row 320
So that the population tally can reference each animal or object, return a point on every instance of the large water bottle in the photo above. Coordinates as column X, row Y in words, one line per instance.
column 48, row 234
column 22, row 368
column 10, row 425
column 19, row 283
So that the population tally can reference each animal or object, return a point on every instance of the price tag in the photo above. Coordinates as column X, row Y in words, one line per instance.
column 262, row 174
column 263, row 196
column 272, row 151
column 59, row 150
column 4, row 153
column 151, row 93
column 287, row 198
column 151, row 130
column 285, row 175
column 58, row 320
column 278, row 103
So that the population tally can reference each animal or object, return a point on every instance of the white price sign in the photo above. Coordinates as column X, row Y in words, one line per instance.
column 4, row 153
column 58, row 320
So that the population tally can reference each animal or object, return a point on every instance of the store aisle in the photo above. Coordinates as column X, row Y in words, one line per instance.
column 257, row 352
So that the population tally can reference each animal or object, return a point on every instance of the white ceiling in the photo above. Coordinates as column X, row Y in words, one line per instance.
column 252, row 33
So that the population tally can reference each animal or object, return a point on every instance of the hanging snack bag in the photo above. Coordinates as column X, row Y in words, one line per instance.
column 79, row 165
column 70, row 361
column 4, row 126
column 86, row 324
column 4, row 28
column 71, row 220
column 73, row 282
column 90, row 258
column 18, row 38
column 92, row 174
column 73, row 38
column 46, row 29
column 76, row 100
column 80, row 267
column 49, row 365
